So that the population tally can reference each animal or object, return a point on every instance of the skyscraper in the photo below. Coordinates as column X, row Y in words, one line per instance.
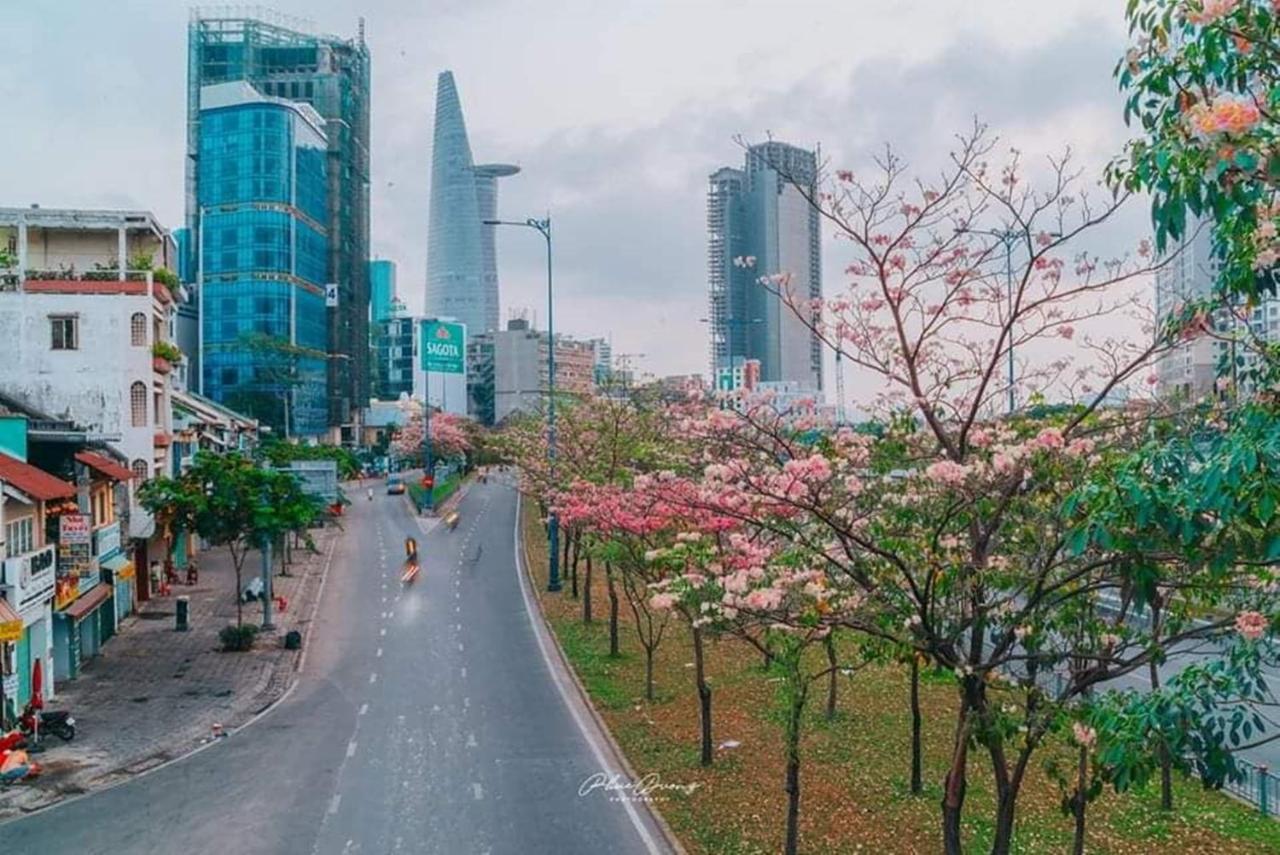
column 282, row 61
column 760, row 223
column 382, row 289
column 462, row 270
column 263, row 190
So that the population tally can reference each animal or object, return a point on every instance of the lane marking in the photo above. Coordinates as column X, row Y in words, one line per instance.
column 478, row 790
column 334, row 802
column 464, row 672
column 379, row 656
column 382, row 631
column 471, row 741
column 364, row 708
column 459, row 646
column 351, row 748
column 373, row 678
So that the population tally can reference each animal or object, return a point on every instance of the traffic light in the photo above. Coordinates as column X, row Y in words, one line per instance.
column 428, row 482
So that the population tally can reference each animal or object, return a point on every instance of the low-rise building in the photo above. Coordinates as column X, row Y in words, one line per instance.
column 508, row 369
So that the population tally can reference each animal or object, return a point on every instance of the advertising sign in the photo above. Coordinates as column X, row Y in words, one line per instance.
column 34, row 576
column 443, row 347
column 75, row 548
column 108, row 540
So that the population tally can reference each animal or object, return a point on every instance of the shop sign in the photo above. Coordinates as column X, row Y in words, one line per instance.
column 107, row 540
column 34, row 574
column 75, row 549
column 65, row 591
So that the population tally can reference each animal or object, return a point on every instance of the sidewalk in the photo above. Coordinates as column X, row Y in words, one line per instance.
column 155, row 694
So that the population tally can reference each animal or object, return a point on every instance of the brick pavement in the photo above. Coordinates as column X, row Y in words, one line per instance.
column 154, row 693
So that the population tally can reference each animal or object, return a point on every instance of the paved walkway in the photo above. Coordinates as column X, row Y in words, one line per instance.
column 154, row 693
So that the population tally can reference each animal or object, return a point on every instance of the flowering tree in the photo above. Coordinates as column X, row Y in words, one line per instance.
column 961, row 530
column 1203, row 85
column 451, row 434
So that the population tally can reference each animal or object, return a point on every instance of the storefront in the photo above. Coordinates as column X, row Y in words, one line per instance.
column 84, row 608
column 117, row 573
column 27, row 584
column 10, row 639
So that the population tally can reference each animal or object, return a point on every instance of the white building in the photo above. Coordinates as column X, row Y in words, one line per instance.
column 87, row 317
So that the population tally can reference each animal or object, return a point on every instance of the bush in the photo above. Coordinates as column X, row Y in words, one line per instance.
column 236, row 639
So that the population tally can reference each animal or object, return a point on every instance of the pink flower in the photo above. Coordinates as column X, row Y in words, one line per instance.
column 662, row 602
column 1080, row 447
column 947, row 473
column 1044, row 239
column 1067, row 331
column 980, row 438
column 1251, row 625
column 1152, row 379
column 1085, row 736
column 1003, row 463
column 1210, row 11
column 1050, row 439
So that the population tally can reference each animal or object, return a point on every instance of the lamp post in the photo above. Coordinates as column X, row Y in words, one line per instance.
column 543, row 227
column 1007, row 237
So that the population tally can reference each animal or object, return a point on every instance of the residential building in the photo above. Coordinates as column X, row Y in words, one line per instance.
column 1190, row 368
column 393, row 342
column 764, row 251
column 602, row 350
column 90, row 341
column 281, row 60
column 462, row 270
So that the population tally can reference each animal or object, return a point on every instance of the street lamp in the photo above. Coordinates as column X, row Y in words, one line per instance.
column 1008, row 237
column 543, row 227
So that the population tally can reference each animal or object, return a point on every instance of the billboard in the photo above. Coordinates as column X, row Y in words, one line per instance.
column 442, row 347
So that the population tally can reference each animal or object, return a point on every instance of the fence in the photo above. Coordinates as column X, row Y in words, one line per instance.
column 1258, row 787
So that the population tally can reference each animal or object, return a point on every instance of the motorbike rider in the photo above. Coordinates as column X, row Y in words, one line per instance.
column 411, row 566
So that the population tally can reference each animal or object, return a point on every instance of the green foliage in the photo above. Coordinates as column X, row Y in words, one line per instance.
column 168, row 351
column 237, row 638
column 278, row 452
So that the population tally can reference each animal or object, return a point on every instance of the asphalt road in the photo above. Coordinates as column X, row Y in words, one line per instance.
column 426, row 720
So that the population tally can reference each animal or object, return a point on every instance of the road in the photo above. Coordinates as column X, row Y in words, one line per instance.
column 426, row 719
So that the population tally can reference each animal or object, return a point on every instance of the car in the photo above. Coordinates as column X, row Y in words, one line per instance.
column 395, row 486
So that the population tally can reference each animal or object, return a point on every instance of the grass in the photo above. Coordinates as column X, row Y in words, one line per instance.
column 439, row 492
column 855, row 793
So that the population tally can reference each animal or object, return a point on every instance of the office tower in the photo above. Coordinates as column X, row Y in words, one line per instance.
column 462, row 270
column 760, row 223
column 382, row 289
column 281, row 60
column 263, row 190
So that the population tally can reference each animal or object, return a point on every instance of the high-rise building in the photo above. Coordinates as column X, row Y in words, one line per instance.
column 283, row 61
column 1188, row 368
column 462, row 269
column 263, row 191
column 760, row 224
column 382, row 289
column 393, row 342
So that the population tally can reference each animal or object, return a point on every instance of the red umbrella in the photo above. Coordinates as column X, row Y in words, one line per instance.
column 37, row 685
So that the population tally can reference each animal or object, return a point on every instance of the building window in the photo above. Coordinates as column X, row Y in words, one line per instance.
column 20, row 537
column 138, row 403
column 66, row 332
column 139, row 468
column 138, row 330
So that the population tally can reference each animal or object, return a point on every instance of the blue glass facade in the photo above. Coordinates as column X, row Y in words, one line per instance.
column 382, row 288
column 263, row 191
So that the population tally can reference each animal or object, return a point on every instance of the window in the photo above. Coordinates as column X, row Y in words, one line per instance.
column 139, row 468
column 138, row 403
column 20, row 537
column 66, row 332
column 138, row 330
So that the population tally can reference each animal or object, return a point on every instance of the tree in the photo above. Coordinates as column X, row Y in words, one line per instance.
column 230, row 502
column 1203, row 86
column 452, row 436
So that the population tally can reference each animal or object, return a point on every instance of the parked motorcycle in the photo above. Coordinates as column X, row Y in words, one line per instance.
column 58, row 722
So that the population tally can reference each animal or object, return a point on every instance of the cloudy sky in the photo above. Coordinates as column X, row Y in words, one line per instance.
column 617, row 110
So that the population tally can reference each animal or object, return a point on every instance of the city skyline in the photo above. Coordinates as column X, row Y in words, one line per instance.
column 625, row 179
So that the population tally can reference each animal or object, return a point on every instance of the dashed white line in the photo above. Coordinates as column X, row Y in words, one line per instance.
column 373, row 678
column 464, row 672
column 379, row 656
column 351, row 748
column 478, row 790
column 459, row 646
column 471, row 741
column 382, row 631
column 334, row 802
column 364, row 708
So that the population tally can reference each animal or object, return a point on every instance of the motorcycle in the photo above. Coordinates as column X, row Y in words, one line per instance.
column 58, row 722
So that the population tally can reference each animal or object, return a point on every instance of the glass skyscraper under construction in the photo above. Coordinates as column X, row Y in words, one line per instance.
column 281, row 60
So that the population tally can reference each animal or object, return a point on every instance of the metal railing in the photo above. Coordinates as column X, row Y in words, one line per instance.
column 1257, row 786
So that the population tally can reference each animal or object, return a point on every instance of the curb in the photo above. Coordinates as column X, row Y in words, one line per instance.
column 618, row 756
column 164, row 758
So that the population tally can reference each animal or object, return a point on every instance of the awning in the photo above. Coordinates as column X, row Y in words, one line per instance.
column 120, row 567
column 82, row 607
column 104, row 465
column 10, row 624
column 34, row 482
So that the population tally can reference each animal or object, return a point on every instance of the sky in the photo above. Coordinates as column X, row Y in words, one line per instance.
column 616, row 111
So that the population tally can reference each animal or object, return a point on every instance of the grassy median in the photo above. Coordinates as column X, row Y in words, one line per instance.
column 855, row 791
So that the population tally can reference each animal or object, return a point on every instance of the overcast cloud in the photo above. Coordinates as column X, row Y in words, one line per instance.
column 616, row 111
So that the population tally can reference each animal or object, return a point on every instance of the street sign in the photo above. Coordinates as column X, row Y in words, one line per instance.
column 443, row 347
column 331, row 295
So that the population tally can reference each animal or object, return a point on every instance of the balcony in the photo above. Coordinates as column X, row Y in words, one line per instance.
column 162, row 285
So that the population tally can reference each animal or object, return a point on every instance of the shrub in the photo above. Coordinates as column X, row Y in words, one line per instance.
column 237, row 639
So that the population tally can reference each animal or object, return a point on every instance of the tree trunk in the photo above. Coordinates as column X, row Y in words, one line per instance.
column 239, row 587
column 572, row 563
column 586, row 592
column 832, row 675
column 704, row 695
column 1078, row 802
column 954, row 786
column 1162, row 752
column 793, row 772
column 648, row 672
column 564, row 563
column 613, row 609
column 917, row 779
